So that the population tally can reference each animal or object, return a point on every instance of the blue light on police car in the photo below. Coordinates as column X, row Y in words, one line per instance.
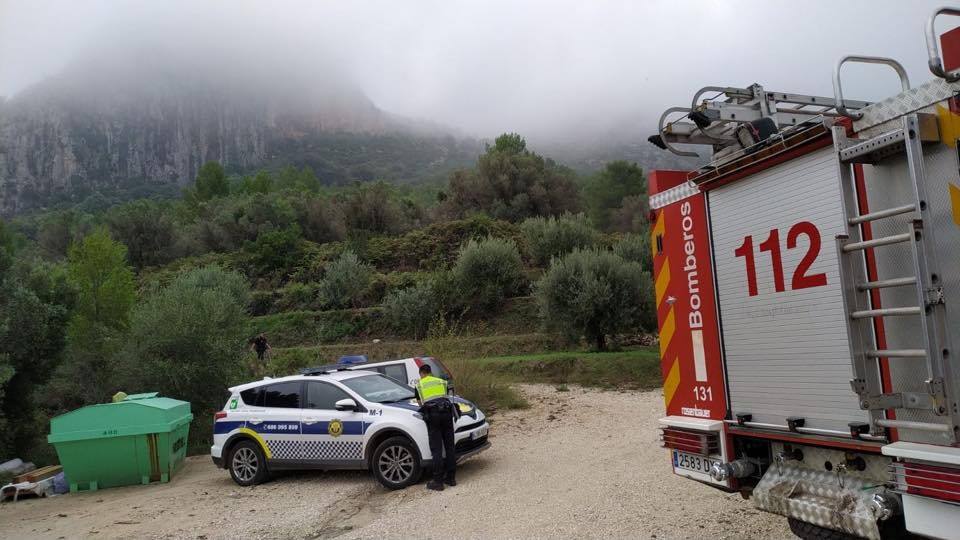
column 352, row 359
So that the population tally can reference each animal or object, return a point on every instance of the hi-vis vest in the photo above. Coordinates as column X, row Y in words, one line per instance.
column 431, row 387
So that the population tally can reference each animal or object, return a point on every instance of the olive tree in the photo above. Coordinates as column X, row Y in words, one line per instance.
column 594, row 294
column 487, row 272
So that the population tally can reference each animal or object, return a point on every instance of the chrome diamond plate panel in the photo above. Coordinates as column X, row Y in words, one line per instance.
column 907, row 102
column 821, row 497
column 672, row 195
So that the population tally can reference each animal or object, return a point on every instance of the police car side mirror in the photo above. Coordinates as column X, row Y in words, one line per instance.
column 346, row 405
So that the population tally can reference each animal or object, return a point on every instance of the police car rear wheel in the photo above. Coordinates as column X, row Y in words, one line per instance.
column 396, row 463
column 247, row 464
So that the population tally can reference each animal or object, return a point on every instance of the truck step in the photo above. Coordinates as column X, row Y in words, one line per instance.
column 880, row 214
column 884, row 283
column 898, row 353
column 886, row 312
column 876, row 242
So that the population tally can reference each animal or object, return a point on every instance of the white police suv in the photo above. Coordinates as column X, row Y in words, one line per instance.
column 333, row 419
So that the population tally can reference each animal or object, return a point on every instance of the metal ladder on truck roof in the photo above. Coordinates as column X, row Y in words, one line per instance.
column 852, row 249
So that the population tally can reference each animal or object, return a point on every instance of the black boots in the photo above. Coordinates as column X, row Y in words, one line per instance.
column 450, row 481
column 435, row 485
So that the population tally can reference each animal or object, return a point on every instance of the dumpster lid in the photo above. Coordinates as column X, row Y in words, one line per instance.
column 145, row 395
column 136, row 414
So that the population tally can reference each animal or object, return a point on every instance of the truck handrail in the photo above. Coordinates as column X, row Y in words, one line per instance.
column 838, row 89
column 660, row 128
column 934, row 61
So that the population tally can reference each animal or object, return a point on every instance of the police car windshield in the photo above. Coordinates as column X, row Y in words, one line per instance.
column 379, row 389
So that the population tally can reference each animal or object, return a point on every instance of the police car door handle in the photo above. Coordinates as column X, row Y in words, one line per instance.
column 255, row 420
column 310, row 421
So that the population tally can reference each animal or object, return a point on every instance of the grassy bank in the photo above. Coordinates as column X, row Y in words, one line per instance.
column 285, row 361
column 636, row 368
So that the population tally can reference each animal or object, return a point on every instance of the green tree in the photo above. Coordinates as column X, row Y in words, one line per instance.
column 298, row 180
column 635, row 248
column 605, row 192
column 147, row 229
column 105, row 292
column 97, row 268
column 211, row 181
column 487, row 272
column 510, row 143
column 632, row 216
column 373, row 208
column 344, row 282
column 6, row 248
column 186, row 340
column 34, row 306
column 594, row 294
column 259, row 183
column 512, row 183
column 549, row 237
column 58, row 230
column 276, row 250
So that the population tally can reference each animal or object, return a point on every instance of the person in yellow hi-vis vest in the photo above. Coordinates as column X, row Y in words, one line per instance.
column 438, row 413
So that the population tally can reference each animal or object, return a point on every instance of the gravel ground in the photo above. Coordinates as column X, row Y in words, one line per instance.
column 566, row 467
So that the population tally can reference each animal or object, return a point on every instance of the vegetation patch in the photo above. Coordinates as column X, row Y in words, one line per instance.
column 635, row 369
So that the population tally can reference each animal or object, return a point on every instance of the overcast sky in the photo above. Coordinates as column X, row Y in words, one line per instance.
column 537, row 67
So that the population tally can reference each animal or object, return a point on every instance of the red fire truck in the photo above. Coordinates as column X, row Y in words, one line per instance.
column 808, row 295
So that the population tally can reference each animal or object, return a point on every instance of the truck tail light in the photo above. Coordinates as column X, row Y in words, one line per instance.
column 219, row 414
column 927, row 480
column 695, row 442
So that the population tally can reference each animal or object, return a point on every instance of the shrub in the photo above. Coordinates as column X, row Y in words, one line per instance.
column 344, row 281
column 632, row 216
column 211, row 181
column 554, row 236
column 487, row 272
column 275, row 250
column 594, row 294
column 147, row 229
column 297, row 296
column 635, row 248
column 605, row 191
column 410, row 311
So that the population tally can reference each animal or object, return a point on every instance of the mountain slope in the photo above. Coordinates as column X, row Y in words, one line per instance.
column 120, row 124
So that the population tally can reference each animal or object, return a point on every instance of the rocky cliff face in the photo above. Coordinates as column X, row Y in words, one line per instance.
column 96, row 130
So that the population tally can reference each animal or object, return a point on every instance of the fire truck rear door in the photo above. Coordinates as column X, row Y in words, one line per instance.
column 781, row 308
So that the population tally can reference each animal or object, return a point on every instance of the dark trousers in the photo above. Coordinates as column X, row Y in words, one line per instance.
column 439, row 420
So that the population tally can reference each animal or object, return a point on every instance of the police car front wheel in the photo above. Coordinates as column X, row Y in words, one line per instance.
column 247, row 464
column 396, row 463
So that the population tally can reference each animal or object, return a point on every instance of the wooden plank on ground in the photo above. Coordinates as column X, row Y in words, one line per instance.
column 39, row 474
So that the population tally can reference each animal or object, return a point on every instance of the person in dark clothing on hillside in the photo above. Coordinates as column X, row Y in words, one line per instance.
column 260, row 345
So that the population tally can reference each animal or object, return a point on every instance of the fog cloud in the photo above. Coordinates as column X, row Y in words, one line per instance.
column 547, row 69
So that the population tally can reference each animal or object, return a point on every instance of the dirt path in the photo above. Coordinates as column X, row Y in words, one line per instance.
column 567, row 467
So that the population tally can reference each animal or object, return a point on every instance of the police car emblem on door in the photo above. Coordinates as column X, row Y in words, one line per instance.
column 335, row 428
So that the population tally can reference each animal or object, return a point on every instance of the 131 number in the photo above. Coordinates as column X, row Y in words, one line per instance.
column 801, row 280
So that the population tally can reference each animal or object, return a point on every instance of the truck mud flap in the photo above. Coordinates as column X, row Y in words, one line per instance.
column 817, row 497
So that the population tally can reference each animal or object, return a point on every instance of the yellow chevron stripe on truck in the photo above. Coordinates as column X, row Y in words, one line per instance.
column 672, row 381
column 663, row 279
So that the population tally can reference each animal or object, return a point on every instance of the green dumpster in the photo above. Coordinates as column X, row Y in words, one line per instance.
column 137, row 440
